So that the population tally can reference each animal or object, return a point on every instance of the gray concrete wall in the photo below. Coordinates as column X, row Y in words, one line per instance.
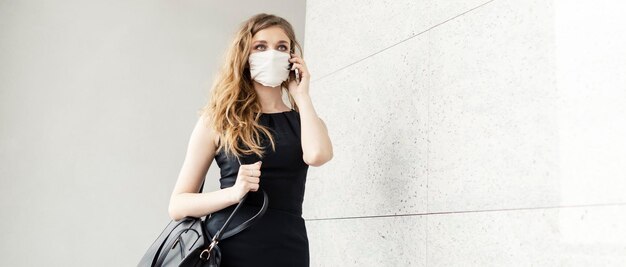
column 97, row 103
column 468, row 133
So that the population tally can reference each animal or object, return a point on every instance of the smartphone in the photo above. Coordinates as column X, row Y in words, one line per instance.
column 296, row 72
column 297, row 76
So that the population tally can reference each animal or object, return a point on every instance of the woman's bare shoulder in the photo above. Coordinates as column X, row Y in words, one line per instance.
column 204, row 134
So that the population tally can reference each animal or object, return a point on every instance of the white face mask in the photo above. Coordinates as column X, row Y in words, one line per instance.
column 270, row 67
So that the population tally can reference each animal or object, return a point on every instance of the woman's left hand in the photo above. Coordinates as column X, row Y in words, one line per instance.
column 296, row 89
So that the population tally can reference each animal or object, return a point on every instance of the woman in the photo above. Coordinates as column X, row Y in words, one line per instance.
column 247, row 121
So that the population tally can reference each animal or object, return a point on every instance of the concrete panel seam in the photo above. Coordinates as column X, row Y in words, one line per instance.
column 402, row 41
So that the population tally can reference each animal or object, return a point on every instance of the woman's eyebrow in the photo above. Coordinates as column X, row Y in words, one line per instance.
column 265, row 42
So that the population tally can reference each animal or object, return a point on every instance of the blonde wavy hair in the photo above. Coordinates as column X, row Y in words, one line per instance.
column 234, row 107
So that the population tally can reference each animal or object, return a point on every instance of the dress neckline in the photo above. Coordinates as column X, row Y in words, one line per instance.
column 276, row 113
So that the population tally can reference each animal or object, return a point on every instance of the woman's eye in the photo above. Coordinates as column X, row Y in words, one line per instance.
column 283, row 46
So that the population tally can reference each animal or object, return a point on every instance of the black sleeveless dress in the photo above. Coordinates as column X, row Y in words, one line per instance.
column 279, row 238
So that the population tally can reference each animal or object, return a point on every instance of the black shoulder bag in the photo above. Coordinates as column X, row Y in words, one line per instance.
column 187, row 242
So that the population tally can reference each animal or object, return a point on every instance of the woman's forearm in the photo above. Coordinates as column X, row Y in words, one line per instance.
column 200, row 204
column 316, row 145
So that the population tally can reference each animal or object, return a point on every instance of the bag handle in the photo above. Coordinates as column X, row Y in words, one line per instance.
column 220, row 235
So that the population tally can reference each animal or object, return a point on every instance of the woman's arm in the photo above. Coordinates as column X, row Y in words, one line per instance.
column 185, row 199
column 316, row 146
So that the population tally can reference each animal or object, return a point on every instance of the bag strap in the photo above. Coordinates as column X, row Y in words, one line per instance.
column 169, row 242
column 220, row 234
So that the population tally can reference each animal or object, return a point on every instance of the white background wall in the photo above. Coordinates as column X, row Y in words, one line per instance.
column 469, row 133
column 97, row 102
